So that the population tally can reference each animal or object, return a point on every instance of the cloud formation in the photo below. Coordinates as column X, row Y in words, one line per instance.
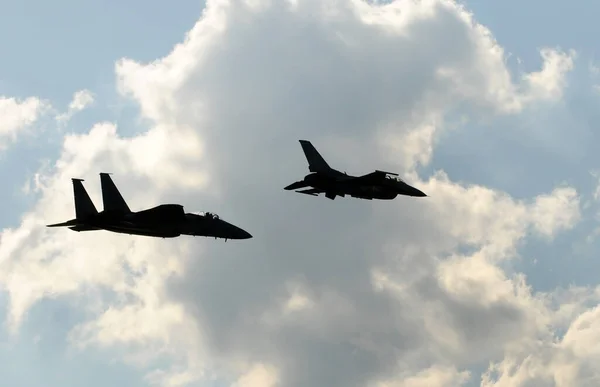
column 81, row 100
column 18, row 115
column 412, row 292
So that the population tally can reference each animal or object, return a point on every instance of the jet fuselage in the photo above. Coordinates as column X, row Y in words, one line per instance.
column 342, row 184
column 157, row 222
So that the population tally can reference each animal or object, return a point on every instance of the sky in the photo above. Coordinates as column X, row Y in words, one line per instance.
column 488, row 107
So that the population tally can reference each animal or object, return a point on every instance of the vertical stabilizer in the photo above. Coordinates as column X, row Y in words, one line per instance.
column 111, row 197
column 83, row 204
column 316, row 163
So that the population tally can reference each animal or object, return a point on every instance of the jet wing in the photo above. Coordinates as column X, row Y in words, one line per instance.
column 311, row 191
column 84, row 228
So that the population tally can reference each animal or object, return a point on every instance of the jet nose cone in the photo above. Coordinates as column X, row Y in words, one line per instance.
column 243, row 234
column 234, row 232
column 411, row 191
column 419, row 193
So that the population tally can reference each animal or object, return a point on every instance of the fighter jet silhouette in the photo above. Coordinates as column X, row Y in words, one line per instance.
column 324, row 179
column 164, row 221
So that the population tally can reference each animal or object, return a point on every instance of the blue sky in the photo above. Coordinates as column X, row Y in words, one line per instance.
column 52, row 49
column 71, row 45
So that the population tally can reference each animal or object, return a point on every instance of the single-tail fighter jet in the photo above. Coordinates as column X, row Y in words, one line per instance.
column 324, row 179
column 163, row 221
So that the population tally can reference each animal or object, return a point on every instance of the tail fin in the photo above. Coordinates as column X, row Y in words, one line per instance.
column 111, row 197
column 83, row 204
column 316, row 163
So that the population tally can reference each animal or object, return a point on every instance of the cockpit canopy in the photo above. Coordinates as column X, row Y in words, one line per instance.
column 394, row 178
column 208, row 215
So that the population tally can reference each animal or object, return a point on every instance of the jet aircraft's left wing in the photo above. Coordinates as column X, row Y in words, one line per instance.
column 315, row 192
column 311, row 191
column 79, row 228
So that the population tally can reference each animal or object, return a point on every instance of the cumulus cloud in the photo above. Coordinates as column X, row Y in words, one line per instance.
column 81, row 100
column 17, row 115
column 549, row 82
column 557, row 211
column 345, row 293
column 570, row 360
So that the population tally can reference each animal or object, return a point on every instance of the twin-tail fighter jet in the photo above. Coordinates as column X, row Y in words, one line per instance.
column 324, row 179
column 163, row 221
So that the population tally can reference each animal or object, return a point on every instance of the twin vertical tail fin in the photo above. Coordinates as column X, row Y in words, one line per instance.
column 316, row 163
column 84, row 206
column 112, row 199
column 83, row 203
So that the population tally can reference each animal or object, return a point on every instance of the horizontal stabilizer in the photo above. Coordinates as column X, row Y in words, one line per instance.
column 296, row 185
column 72, row 222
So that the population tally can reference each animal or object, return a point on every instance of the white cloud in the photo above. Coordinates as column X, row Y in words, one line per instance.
column 16, row 115
column 434, row 376
column 81, row 100
column 557, row 211
column 549, row 82
column 258, row 375
column 352, row 293
column 568, row 361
